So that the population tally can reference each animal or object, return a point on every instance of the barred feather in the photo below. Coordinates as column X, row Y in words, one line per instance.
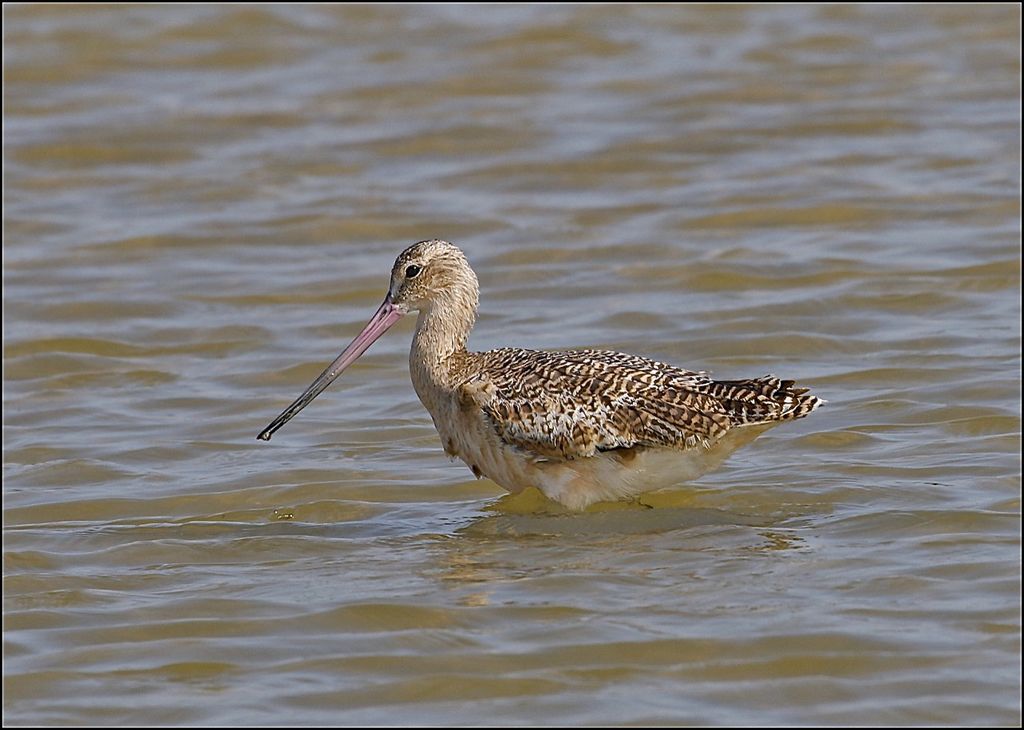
column 568, row 405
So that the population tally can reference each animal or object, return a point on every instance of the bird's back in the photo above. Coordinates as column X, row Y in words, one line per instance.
column 573, row 404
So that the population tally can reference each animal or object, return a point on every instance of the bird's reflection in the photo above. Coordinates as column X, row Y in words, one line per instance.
column 525, row 536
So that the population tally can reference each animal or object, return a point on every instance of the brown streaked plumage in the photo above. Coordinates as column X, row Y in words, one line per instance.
column 582, row 426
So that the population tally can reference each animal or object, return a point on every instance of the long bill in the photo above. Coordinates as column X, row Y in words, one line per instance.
column 386, row 316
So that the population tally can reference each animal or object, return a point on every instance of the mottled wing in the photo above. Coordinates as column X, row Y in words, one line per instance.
column 566, row 405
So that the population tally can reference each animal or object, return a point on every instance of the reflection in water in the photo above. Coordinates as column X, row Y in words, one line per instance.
column 631, row 518
column 490, row 549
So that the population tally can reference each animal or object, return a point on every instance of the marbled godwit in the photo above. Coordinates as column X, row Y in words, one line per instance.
column 582, row 426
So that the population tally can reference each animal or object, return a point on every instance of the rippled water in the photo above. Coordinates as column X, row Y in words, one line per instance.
column 201, row 208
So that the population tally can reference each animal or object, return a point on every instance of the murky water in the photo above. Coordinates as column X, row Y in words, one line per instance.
column 201, row 208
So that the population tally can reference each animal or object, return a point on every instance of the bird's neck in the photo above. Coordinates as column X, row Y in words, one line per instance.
column 442, row 331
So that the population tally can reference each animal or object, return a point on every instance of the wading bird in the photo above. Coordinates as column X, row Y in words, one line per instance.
column 582, row 426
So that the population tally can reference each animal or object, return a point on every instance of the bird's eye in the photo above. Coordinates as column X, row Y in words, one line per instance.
column 412, row 271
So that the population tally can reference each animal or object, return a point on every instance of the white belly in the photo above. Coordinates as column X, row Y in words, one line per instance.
column 610, row 476
column 577, row 483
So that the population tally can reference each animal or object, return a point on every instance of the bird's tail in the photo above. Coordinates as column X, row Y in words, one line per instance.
column 765, row 399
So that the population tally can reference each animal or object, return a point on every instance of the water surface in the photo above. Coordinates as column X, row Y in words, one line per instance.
column 202, row 205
